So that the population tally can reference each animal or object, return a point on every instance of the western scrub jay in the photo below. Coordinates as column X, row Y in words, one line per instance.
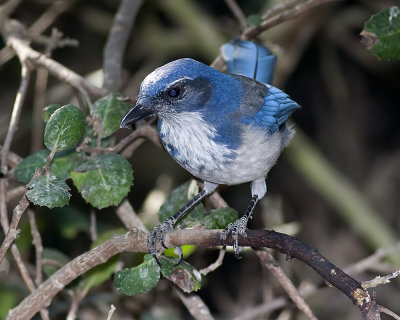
column 222, row 128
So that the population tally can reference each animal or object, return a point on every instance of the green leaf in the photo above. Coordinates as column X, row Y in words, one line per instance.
column 254, row 20
column 49, row 110
column 177, row 199
column 104, row 180
column 219, row 218
column 48, row 191
column 381, row 34
column 61, row 166
column 110, row 110
column 100, row 273
column 64, row 163
column 138, row 280
column 55, row 255
column 26, row 168
column 65, row 128
column 185, row 276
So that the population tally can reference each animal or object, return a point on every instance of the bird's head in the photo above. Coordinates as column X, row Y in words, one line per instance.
column 183, row 85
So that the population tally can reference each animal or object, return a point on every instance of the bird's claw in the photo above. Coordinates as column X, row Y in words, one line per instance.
column 157, row 236
column 237, row 228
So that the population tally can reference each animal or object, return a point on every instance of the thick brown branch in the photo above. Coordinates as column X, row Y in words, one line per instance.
column 135, row 241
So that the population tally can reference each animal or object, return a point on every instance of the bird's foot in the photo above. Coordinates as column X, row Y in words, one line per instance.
column 157, row 236
column 237, row 228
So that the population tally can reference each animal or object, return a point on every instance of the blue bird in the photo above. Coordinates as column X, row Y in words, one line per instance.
column 222, row 128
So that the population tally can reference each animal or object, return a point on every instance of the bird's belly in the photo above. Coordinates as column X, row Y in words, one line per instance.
column 252, row 160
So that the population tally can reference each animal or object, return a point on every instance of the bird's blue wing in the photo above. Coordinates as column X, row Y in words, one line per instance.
column 263, row 105
column 249, row 59
column 276, row 110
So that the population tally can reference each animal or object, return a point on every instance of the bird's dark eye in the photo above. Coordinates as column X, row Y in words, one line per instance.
column 174, row 92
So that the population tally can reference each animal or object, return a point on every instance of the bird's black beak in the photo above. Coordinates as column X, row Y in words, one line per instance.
column 138, row 112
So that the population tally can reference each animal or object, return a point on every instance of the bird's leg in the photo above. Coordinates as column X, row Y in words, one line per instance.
column 239, row 227
column 159, row 232
column 258, row 190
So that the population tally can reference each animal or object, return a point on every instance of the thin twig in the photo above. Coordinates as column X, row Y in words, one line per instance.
column 378, row 280
column 272, row 265
column 12, row 231
column 195, row 305
column 12, row 128
column 116, row 44
column 26, row 277
column 237, row 12
column 289, row 14
column 129, row 218
column 15, row 193
column 111, row 312
column 388, row 312
column 93, row 226
column 215, row 265
column 26, row 53
column 37, row 243
column 279, row 7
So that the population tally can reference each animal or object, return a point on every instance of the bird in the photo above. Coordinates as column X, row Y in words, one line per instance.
column 222, row 128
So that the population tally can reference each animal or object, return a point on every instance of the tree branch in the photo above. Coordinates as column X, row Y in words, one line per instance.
column 116, row 44
column 136, row 241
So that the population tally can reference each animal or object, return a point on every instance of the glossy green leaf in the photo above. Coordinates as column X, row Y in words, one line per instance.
column 104, row 180
column 64, row 163
column 57, row 256
column 48, row 191
column 381, row 34
column 110, row 110
column 61, row 166
column 138, row 280
column 185, row 276
column 26, row 168
column 219, row 218
column 49, row 110
column 177, row 199
column 65, row 128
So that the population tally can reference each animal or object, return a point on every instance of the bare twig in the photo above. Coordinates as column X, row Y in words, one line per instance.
column 26, row 53
column 12, row 128
column 37, row 242
column 40, row 25
column 15, row 193
column 272, row 265
column 116, row 43
column 12, row 231
column 215, row 265
column 195, row 305
column 27, row 278
column 279, row 7
column 291, row 13
column 129, row 218
column 93, row 226
column 237, row 12
column 378, row 280
column 388, row 312
column 111, row 312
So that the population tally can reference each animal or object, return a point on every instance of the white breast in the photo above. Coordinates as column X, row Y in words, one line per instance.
column 192, row 138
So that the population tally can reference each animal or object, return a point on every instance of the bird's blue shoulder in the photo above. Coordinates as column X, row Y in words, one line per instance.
column 274, row 110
